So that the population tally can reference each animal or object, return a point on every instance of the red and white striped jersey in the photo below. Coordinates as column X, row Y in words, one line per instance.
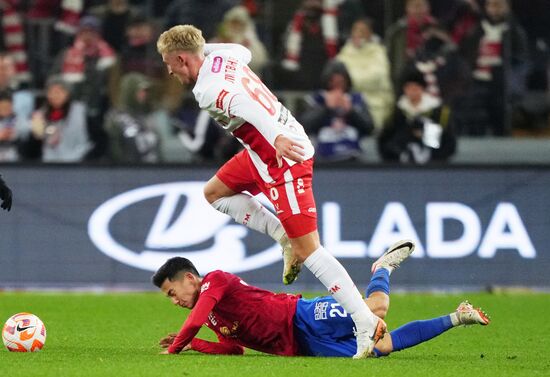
column 240, row 102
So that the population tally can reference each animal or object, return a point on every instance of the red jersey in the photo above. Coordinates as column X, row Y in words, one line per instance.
column 242, row 316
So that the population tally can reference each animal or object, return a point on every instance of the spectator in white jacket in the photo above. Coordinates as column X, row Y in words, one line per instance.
column 367, row 62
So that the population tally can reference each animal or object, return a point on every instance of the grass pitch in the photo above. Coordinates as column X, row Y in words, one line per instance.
column 117, row 335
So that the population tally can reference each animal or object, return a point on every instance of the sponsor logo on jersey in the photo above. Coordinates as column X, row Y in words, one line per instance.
column 205, row 286
column 217, row 64
column 335, row 288
column 221, row 96
column 212, row 319
column 283, row 117
column 230, row 332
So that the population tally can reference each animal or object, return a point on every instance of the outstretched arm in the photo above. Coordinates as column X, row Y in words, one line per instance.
column 223, row 347
column 192, row 325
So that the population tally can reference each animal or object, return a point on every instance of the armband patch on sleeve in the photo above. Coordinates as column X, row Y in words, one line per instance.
column 221, row 96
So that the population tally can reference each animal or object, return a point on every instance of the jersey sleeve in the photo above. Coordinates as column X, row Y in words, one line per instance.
column 223, row 347
column 213, row 288
column 237, row 50
column 192, row 325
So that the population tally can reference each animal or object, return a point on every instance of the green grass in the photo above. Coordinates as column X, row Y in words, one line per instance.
column 117, row 334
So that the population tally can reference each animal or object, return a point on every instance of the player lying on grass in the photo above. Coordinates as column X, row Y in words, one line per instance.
column 283, row 324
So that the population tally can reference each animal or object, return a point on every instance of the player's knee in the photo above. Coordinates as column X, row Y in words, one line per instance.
column 210, row 193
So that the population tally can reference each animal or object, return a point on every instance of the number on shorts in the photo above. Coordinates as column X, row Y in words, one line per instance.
column 274, row 193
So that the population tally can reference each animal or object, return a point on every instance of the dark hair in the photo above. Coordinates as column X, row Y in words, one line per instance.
column 6, row 95
column 171, row 268
column 332, row 68
column 413, row 75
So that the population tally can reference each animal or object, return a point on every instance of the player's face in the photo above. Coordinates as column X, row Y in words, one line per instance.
column 413, row 91
column 178, row 65
column 183, row 291
column 497, row 10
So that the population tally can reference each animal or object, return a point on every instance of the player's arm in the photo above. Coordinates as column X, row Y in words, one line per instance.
column 258, row 115
column 238, row 50
column 223, row 347
column 5, row 195
column 211, row 294
column 192, row 325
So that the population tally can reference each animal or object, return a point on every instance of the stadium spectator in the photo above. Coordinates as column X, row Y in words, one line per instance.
column 200, row 135
column 5, row 195
column 133, row 126
column 87, row 65
column 66, row 13
column 23, row 99
column 420, row 130
column 115, row 16
column 291, row 325
column 497, row 53
column 444, row 70
column 367, row 62
column 337, row 116
column 463, row 17
column 139, row 52
column 51, row 26
column 277, row 160
column 206, row 15
column 12, row 39
column 12, row 128
column 404, row 37
column 312, row 40
column 238, row 27
column 59, row 127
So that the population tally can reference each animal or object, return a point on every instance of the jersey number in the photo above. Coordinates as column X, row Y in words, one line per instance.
column 337, row 310
column 258, row 91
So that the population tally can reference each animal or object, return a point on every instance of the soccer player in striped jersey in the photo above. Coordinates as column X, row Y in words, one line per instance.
column 277, row 160
column 283, row 324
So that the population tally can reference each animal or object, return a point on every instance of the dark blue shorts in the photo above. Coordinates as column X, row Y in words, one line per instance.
column 323, row 328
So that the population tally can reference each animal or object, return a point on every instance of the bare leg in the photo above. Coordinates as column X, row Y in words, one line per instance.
column 379, row 303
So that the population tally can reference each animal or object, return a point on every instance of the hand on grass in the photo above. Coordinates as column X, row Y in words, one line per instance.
column 167, row 340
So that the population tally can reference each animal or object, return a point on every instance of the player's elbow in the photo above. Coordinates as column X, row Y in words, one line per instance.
column 237, row 350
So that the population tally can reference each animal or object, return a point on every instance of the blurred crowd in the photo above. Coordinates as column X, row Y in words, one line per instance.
column 82, row 81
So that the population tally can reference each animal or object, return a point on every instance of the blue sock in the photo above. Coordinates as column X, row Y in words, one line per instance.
column 379, row 282
column 416, row 332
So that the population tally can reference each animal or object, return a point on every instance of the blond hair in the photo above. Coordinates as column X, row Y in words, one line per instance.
column 181, row 38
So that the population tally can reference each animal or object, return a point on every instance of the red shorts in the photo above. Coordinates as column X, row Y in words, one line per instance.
column 291, row 195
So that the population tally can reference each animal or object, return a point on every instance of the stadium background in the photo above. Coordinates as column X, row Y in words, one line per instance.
column 99, row 225
column 498, row 184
